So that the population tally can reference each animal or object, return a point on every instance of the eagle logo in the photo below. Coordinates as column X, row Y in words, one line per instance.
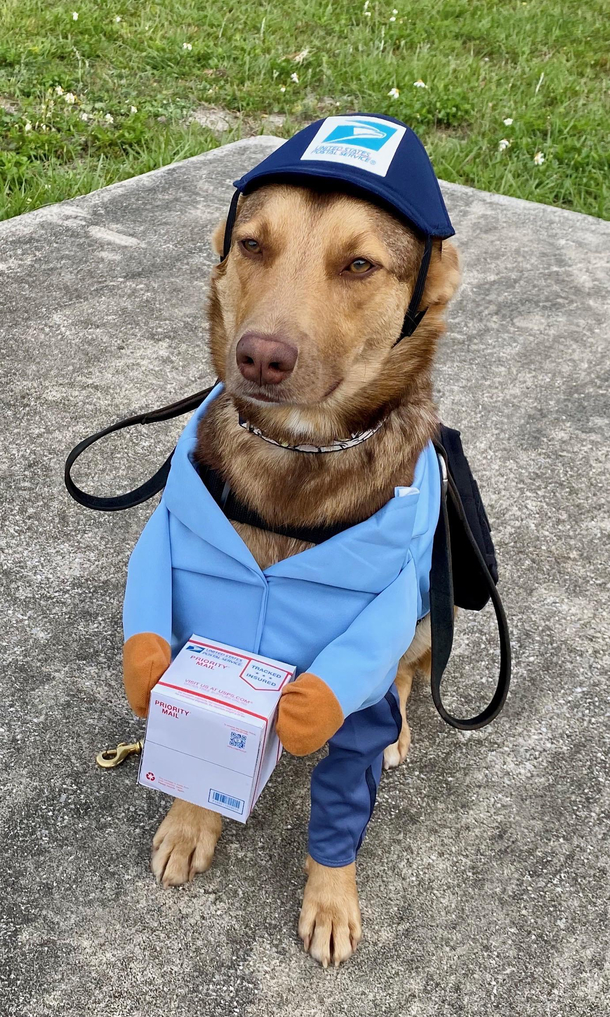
column 361, row 133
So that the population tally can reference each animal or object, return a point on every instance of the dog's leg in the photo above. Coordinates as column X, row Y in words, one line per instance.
column 343, row 791
column 184, row 843
column 330, row 917
column 397, row 752
column 417, row 658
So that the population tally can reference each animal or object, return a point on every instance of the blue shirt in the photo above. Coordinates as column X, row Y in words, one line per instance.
column 345, row 609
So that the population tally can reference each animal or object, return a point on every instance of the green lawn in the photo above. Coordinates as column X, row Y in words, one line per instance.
column 89, row 100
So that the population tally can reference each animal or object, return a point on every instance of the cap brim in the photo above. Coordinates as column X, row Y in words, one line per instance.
column 383, row 196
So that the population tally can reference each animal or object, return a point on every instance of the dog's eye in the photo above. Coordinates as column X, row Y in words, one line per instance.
column 251, row 246
column 359, row 266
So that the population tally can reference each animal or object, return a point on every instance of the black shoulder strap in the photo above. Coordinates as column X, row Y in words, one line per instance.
column 442, row 609
column 153, row 484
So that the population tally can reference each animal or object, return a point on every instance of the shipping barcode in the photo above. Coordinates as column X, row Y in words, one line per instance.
column 228, row 801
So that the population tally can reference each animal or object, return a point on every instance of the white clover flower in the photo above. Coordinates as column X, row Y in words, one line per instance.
column 70, row 98
column 84, row 116
column 508, row 121
column 539, row 158
column 133, row 109
column 367, row 14
column 419, row 84
column 394, row 11
column 504, row 143
column 59, row 90
column 118, row 18
column 109, row 118
column 394, row 93
column 27, row 126
column 282, row 88
column 294, row 77
column 74, row 15
column 187, row 45
column 298, row 59
column 392, row 18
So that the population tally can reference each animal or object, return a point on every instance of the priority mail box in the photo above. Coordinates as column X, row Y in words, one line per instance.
column 210, row 735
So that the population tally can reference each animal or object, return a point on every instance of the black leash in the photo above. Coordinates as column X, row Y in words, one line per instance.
column 441, row 582
column 442, row 606
column 152, row 486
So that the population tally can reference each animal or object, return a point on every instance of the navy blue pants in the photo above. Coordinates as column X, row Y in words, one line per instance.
column 344, row 784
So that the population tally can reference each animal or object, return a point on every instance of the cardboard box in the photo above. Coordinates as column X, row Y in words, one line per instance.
column 210, row 735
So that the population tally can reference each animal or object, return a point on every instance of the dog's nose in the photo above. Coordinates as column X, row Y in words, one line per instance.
column 265, row 359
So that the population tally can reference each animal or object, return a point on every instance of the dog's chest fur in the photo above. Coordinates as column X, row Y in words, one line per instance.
column 308, row 489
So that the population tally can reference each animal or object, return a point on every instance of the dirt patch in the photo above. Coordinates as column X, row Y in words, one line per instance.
column 220, row 120
column 273, row 120
column 214, row 118
column 9, row 105
column 443, row 131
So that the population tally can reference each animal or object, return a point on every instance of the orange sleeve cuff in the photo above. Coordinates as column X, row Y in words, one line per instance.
column 308, row 715
column 146, row 656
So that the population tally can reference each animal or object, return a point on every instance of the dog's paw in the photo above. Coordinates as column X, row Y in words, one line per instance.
column 396, row 753
column 330, row 917
column 184, row 844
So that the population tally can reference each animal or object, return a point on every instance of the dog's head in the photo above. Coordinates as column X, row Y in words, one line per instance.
column 307, row 306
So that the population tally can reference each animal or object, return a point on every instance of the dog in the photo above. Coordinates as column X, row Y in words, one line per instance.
column 303, row 315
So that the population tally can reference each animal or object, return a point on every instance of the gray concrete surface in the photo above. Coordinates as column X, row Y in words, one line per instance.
column 484, row 876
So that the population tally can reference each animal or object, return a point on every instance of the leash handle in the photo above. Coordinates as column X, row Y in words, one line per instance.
column 442, row 609
column 151, row 486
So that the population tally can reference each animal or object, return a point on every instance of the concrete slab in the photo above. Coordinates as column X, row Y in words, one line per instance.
column 484, row 876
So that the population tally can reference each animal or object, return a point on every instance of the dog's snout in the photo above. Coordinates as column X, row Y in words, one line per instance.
column 265, row 359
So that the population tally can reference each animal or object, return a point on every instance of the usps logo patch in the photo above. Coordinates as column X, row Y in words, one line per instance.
column 366, row 142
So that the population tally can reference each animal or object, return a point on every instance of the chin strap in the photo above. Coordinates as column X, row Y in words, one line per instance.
column 226, row 244
column 413, row 316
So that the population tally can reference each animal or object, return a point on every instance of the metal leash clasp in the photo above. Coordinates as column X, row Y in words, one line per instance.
column 444, row 474
column 110, row 758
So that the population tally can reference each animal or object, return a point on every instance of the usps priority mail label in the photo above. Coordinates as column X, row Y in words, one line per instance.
column 366, row 142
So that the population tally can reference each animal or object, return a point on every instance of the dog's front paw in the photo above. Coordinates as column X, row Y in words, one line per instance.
column 330, row 917
column 396, row 753
column 184, row 844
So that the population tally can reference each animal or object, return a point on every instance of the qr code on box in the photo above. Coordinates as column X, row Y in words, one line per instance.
column 237, row 741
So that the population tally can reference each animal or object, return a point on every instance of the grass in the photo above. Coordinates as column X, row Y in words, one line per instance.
column 87, row 101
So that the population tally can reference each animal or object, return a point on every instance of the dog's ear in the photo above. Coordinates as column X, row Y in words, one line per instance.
column 218, row 238
column 443, row 275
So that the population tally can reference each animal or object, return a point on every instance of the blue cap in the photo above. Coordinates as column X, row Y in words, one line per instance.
column 376, row 157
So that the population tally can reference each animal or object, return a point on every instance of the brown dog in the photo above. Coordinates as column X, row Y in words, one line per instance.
column 304, row 313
